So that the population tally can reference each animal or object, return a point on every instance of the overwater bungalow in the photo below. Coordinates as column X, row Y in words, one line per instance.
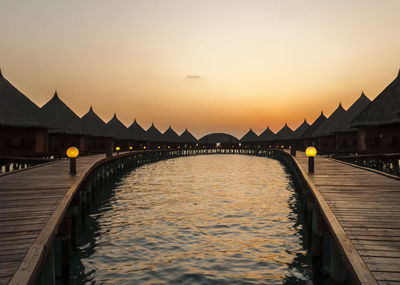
column 219, row 140
column 284, row 137
column 137, row 135
column 96, row 130
column 308, row 136
column 249, row 140
column 66, row 128
column 266, row 137
column 119, row 133
column 155, row 138
column 346, row 136
column 379, row 123
column 297, row 141
column 23, row 132
column 325, row 133
column 171, row 138
column 187, row 139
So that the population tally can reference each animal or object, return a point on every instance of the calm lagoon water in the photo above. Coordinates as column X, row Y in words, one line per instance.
column 212, row 219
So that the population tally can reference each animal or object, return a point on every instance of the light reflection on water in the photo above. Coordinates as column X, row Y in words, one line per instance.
column 214, row 219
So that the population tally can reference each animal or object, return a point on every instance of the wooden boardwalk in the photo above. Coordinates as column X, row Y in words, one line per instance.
column 367, row 207
column 28, row 199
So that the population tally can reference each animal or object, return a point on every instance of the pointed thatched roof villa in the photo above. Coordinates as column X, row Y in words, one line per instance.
column 117, row 129
column 297, row 140
column 301, row 129
column 171, row 137
column 308, row 136
column 346, row 136
column 250, row 139
column 325, row 132
column 187, row 138
column 23, row 129
column 99, row 137
column 332, row 123
column 66, row 128
column 136, row 132
column 284, row 136
column 314, row 126
column 250, row 136
column 61, row 118
column 93, row 125
column 155, row 137
column 267, row 135
column 379, row 122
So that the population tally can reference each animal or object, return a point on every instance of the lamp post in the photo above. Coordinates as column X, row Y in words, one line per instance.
column 130, row 149
column 72, row 153
column 117, row 149
column 311, row 152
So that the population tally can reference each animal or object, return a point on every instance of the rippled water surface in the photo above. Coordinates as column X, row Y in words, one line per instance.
column 213, row 219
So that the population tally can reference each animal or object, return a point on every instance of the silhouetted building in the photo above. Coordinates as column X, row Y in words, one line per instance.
column 308, row 136
column 138, row 135
column 249, row 140
column 171, row 138
column 23, row 132
column 66, row 128
column 266, row 138
column 379, row 123
column 155, row 138
column 96, row 130
column 346, row 136
column 120, row 134
column 218, row 140
column 187, row 139
column 284, row 137
column 297, row 141
column 325, row 133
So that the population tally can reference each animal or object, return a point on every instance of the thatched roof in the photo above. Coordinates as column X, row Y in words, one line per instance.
column 136, row 132
column 301, row 129
column 285, row 133
column 187, row 137
column 266, row 135
column 61, row 118
column 94, row 125
column 384, row 109
column 314, row 126
column 352, row 112
column 332, row 123
column 154, row 135
column 171, row 136
column 250, row 136
column 17, row 110
column 218, row 138
column 117, row 129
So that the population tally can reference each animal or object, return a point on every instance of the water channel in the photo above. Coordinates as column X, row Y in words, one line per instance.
column 211, row 219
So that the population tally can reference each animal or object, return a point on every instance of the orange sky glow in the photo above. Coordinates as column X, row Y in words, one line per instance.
column 210, row 66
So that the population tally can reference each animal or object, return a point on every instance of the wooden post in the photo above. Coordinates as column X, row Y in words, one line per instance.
column 337, row 268
column 64, row 236
column 47, row 275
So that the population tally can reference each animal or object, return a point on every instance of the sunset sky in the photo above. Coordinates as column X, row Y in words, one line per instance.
column 209, row 65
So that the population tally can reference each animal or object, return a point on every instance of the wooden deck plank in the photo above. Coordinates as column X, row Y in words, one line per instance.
column 366, row 205
column 27, row 201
